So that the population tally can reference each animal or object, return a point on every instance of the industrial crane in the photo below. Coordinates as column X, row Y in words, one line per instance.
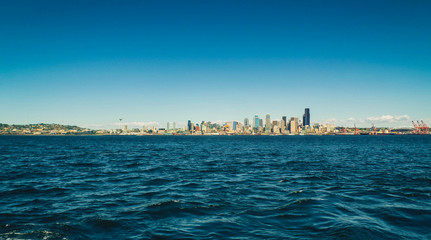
column 420, row 128
column 416, row 131
column 425, row 128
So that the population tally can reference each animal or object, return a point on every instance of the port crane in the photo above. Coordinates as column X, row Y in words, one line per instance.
column 425, row 127
column 416, row 130
column 420, row 128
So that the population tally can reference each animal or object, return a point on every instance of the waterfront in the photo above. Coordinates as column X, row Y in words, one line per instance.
column 117, row 187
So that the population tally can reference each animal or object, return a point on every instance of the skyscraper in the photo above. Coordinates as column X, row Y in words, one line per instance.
column 306, row 118
column 293, row 125
column 256, row 121
column 268, row 123
column 284, row 118
column 174, row 126
column 235, row 124
column 189, row 125
column 167, row 126
column 246, row 122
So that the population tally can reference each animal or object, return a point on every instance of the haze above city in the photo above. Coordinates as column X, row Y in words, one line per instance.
column 90, row 63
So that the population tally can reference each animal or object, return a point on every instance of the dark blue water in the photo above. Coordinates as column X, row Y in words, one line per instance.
column 219, row 187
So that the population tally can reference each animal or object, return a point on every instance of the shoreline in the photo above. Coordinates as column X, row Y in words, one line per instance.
column 203, row 135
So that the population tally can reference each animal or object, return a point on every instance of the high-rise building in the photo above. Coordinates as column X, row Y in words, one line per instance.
column 167, row 126
column 284, row 118
column 293, row 125
column 275, row 126
column 260, row 122
column 283, row 124
column 189, row 125
column 256, row 121
column 174, row 126
column 306, row 118
column 235, row 124
column 246, row 122
column 268, row 123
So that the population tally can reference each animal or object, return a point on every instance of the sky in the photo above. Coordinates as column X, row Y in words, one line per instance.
column 89, row 63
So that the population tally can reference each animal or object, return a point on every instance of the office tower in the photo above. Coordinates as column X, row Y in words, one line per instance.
column 268, row 123
column 167, row 126
column 260, row 122
column 283, row 125
column 284, row 118
column 275, row 129
column 235, row 124
column 306, row 118
column 256, row 121
column 174, row 126
column 189, row 125
column 246, row 123
column 293, row 125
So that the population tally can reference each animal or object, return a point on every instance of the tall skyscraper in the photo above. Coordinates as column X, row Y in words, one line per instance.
column 284, row 118
column 293, row 125
column 235, row 124
column 306, row 118
column 167, row 126
column 174, row 126
column 246, row 122
column 256, row 121
column 268, row 123
column 189, row 125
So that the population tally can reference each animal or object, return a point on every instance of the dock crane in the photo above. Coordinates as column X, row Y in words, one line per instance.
column 420, row 128
column 416, row 130
column 425, row 128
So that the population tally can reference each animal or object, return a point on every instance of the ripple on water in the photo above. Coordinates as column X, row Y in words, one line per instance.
column 219, row 187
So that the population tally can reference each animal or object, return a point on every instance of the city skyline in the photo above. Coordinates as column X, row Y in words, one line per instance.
column 382, row 121
column 159, row 61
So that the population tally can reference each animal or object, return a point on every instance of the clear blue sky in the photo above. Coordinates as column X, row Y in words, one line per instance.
column 91, row 62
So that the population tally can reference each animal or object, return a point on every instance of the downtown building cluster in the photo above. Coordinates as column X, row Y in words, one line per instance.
column 255, row 126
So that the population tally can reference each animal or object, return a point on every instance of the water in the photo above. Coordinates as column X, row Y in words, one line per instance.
column 219, row 187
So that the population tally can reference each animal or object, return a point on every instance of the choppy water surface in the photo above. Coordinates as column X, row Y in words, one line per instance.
column 242, row 187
